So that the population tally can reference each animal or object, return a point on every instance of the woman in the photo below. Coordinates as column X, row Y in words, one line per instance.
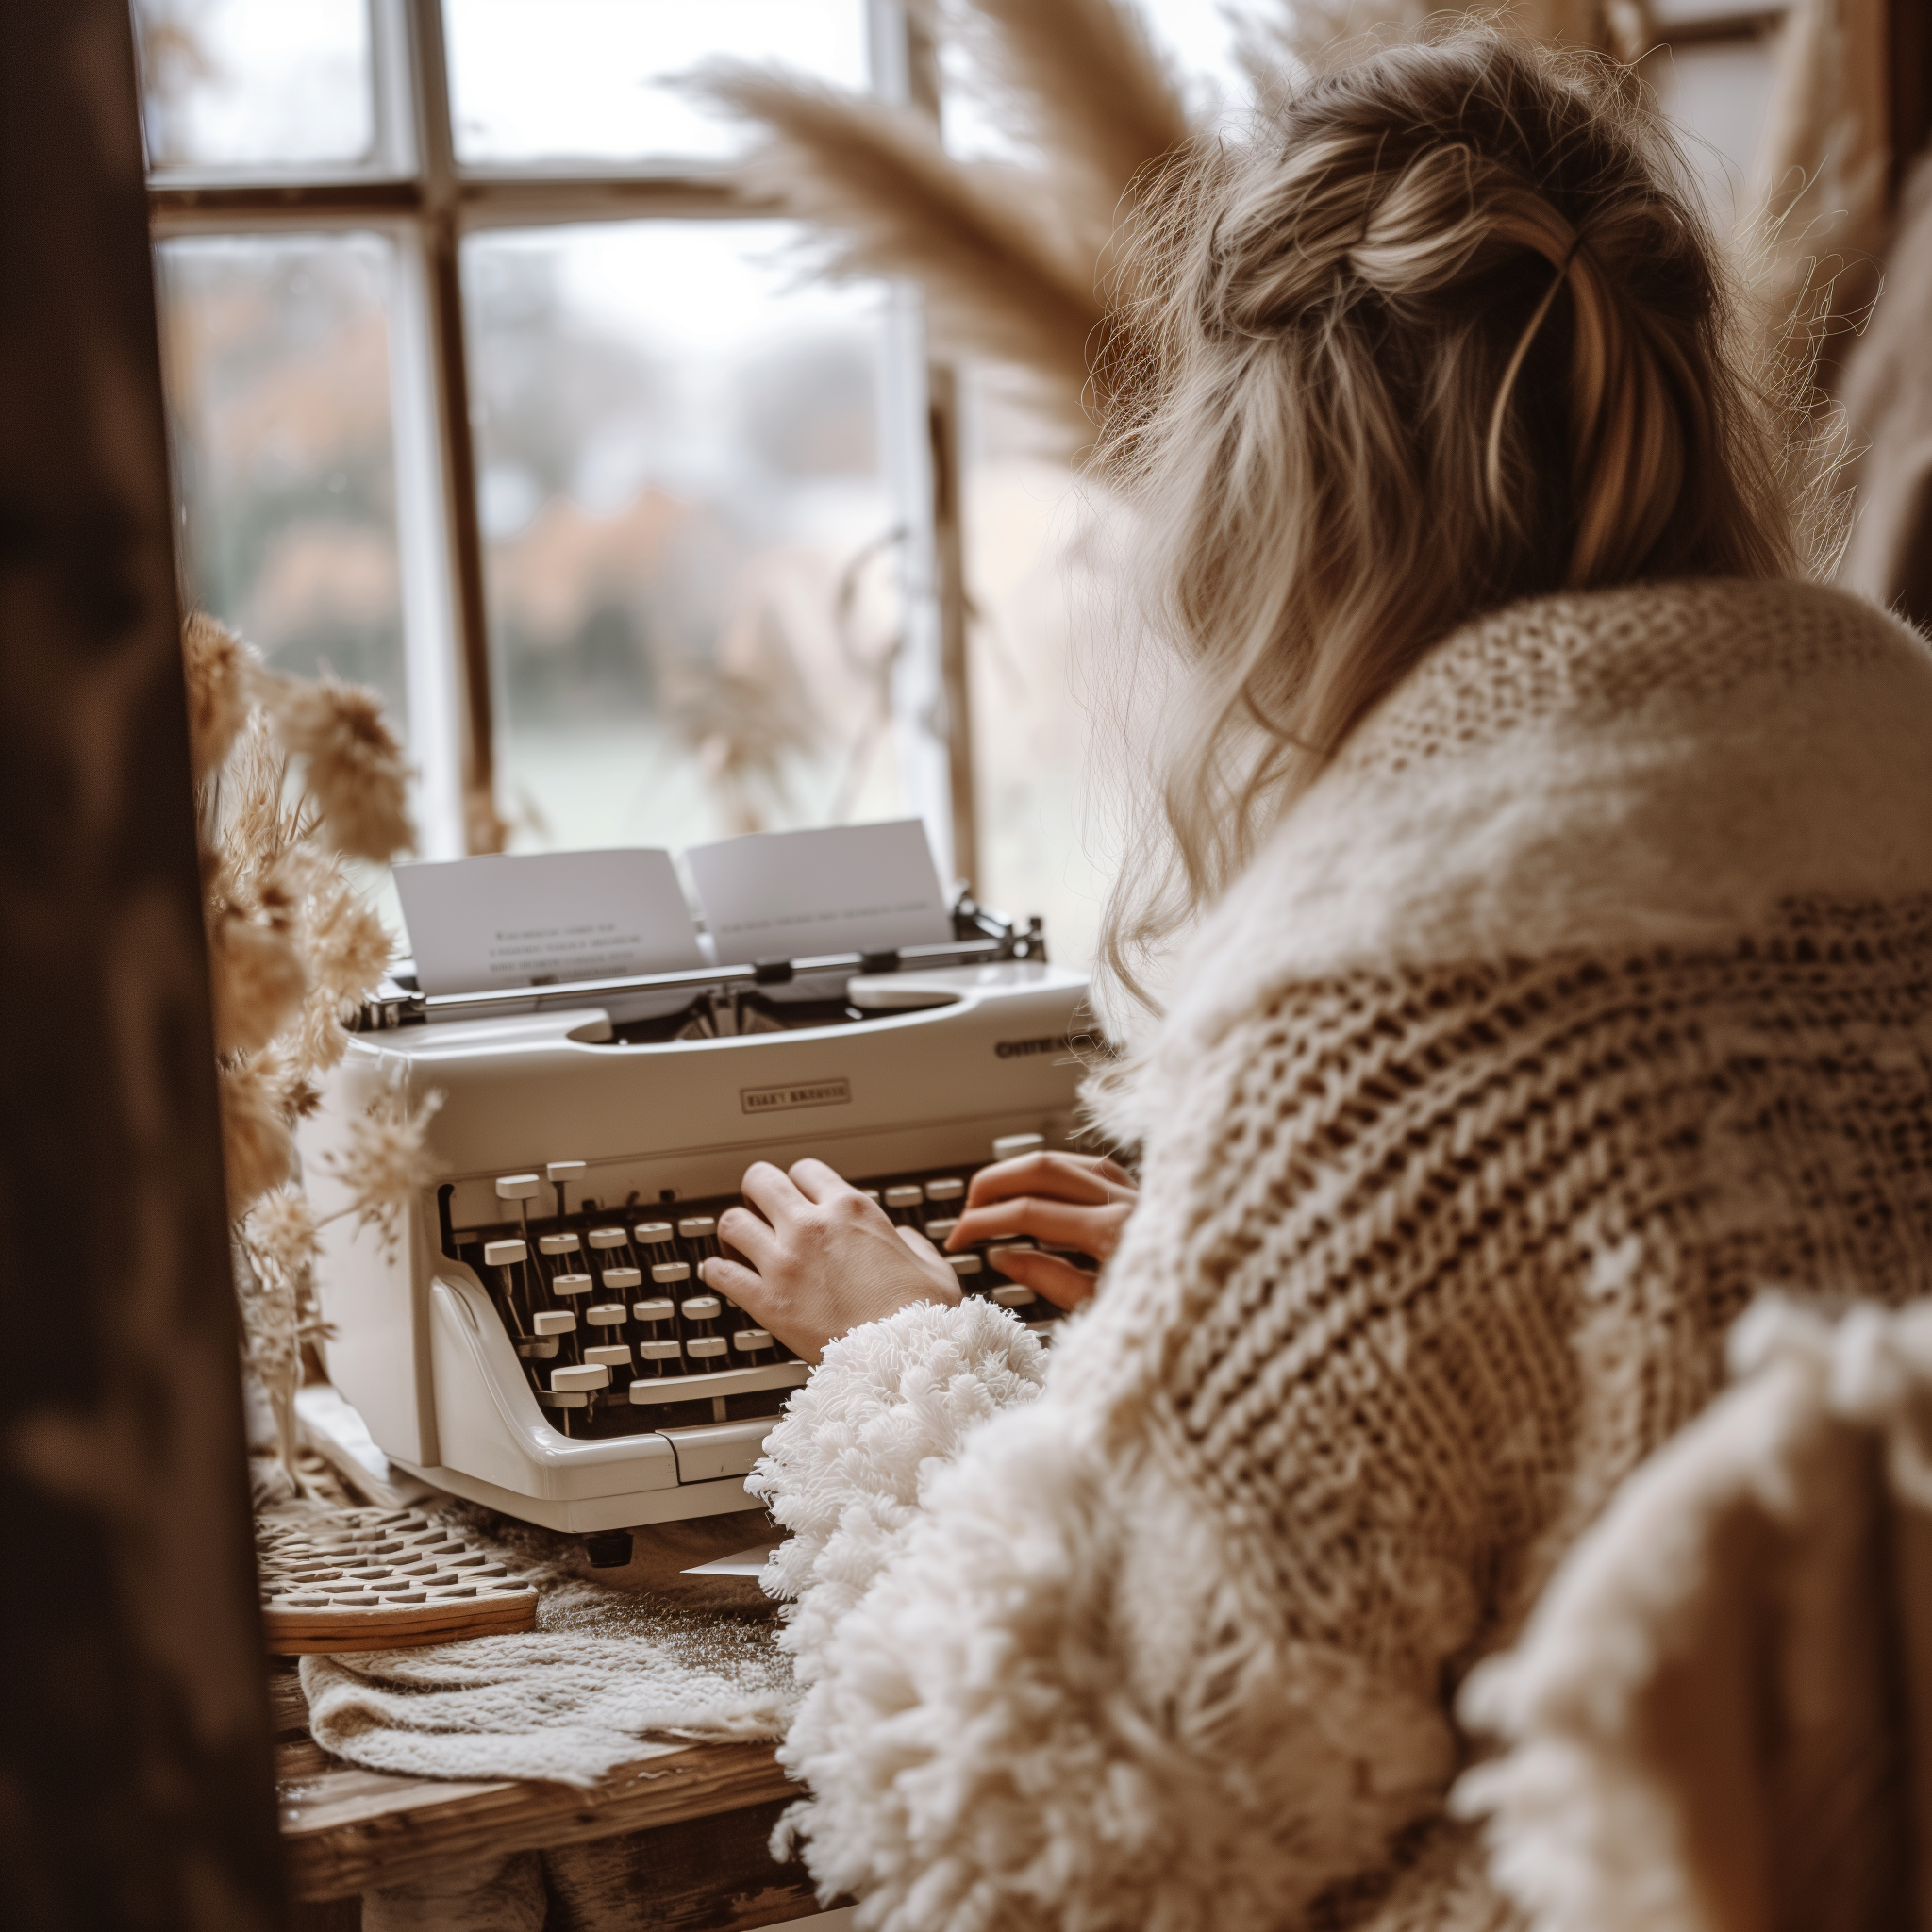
column 1557, row 875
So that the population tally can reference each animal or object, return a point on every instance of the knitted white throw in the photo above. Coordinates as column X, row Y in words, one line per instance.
column 603, row 1672
column 1589, row 992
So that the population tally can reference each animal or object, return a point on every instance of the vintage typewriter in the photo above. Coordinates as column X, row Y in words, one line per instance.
column 538, row 1338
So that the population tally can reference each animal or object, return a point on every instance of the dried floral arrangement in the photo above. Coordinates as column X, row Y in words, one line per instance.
column 292, row 777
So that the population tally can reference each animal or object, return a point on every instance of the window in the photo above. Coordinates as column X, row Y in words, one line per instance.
column 487, row 393
column 483, row 390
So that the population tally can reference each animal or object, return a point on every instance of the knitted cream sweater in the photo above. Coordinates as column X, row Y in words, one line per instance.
column 1588, row 991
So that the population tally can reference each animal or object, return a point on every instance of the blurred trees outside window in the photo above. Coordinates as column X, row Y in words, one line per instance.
column 698, row 506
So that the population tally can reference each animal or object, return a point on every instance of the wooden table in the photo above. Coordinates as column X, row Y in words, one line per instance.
column 703, row 1813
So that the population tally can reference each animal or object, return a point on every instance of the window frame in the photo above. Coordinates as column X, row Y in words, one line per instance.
column 414, row 192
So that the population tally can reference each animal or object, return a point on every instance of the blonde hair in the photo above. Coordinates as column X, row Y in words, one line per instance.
column 1446, row 332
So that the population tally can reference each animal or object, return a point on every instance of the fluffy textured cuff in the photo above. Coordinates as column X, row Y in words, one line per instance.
column 843, row 1470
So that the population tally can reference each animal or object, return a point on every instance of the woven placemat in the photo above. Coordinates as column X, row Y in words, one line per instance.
column 381, row 1579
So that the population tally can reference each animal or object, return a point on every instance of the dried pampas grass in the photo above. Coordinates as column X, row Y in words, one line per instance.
column 354, row 768
column 220, row 669
column 1080, row 80
column 886, row 199
column 282, row 1232
column 319, row 1040
column 387, row 1162
column 257, row 979
column 292, row 949
column 349, row 947
column 279, row 1243
column 257, row 821
column 258, row 1149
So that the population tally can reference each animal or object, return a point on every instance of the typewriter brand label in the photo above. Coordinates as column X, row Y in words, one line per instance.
column 811, row 1094
column 1024, row 1049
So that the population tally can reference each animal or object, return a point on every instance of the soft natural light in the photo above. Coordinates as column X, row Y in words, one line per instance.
column 690, row 531
column 232, row 83
column 588, row 79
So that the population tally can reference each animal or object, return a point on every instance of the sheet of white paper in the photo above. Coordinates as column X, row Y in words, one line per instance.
column 749, row 1562
column 845, row 888
column 478, row 924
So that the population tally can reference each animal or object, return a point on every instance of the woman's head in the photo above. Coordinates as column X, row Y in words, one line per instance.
column 1446, row 332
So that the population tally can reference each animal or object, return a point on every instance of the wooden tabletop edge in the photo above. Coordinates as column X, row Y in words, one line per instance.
column 384, row 1843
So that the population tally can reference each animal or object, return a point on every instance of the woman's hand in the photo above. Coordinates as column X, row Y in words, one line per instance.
column 1078, row 1201
column 822, row 1257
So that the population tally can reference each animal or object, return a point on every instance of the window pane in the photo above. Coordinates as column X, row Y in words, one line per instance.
column 690, row 544
column 583, row 79
column 1717, row 92
column 277, row 356
column 234, row 83
column 1040, row 646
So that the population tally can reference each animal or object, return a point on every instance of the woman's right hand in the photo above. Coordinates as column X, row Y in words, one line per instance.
column 1077, row 1201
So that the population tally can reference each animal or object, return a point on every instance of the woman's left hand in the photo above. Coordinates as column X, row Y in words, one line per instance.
column 821, row 1257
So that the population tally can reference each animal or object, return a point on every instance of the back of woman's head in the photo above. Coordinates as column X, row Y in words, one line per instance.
column 1445, row 333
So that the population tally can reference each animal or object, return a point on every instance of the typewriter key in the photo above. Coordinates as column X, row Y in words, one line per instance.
column 903, row 1203
column 699, row 1318
column 1011, row 1146
column 560, row 1175
column 506, row 1260
column 945, row 1195
column 656, row 1359
column 522, row 1188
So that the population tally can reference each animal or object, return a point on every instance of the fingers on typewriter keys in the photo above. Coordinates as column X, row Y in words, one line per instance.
column 1009, row 1293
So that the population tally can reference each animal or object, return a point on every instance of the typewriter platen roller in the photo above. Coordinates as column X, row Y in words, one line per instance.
column 539, row 1340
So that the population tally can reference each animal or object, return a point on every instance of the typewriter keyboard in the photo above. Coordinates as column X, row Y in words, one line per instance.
column 619, row 1335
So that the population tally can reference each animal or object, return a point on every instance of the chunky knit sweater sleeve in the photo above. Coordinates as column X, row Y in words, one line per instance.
column 1589, row 991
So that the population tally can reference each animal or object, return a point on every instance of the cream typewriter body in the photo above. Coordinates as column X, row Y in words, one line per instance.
column 538, row 1338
